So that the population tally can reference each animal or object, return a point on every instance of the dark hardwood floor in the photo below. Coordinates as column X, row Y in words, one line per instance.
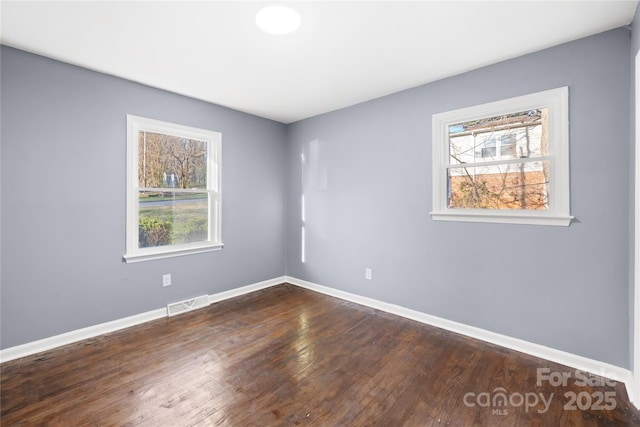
column 289, row 356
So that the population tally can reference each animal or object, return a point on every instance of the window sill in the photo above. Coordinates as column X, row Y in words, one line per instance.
column 150, row 256
column 515, row 217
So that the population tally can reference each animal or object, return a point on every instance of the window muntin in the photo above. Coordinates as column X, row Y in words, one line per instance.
column 173, row 189
column 505, row 161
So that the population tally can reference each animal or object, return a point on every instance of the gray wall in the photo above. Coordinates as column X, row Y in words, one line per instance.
column 635, row 48
column 367, row 186
column 63, row 200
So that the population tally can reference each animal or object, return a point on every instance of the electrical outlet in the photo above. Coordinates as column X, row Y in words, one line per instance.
column 166, row 280
column 368, row 274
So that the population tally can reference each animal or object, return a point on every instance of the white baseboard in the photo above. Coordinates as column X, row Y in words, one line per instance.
column 45, row 344
column 78, row 335
column 613, row 372
column 633, row 389
column 585, row 364
column 246, row 289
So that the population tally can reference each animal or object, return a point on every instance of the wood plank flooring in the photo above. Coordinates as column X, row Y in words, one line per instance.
column 287, row 356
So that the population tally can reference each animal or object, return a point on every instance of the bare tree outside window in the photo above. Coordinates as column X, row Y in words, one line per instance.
column 166, row 165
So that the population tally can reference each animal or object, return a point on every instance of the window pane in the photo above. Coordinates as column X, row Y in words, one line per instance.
column 172, row 218
column 517, row 135
column 510, row 186
column 508, row 147
column 489, row 152
column 167, row 161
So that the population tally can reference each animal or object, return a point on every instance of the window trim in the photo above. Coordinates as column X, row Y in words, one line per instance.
column 133, row 253
column 558, row 214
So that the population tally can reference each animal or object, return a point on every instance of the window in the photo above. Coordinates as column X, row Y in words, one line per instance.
column 506, row 161
column 173, row 190
column 502, row 146
column 488, row 148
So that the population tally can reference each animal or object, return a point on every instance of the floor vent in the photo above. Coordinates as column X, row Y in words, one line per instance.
column 187, row 305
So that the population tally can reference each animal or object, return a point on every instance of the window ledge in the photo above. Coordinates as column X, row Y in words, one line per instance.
column 517, row 217
column 150, row 256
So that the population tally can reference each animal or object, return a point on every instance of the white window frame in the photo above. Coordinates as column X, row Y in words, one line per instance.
column 136, row 124
column 558, row 213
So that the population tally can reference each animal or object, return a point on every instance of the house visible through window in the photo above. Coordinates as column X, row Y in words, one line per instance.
column 173, row 194
column 499, row 185
column 505, row 161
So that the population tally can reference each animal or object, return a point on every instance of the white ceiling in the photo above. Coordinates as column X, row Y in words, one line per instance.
column 345, row 52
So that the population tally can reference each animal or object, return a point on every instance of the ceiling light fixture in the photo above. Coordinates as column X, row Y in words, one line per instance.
column 278, row 20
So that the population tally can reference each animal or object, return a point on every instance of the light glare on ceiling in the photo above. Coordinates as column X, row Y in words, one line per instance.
column 278, row 19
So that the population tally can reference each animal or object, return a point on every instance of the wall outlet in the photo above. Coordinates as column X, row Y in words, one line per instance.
column 166, row 280
column 368, row 274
